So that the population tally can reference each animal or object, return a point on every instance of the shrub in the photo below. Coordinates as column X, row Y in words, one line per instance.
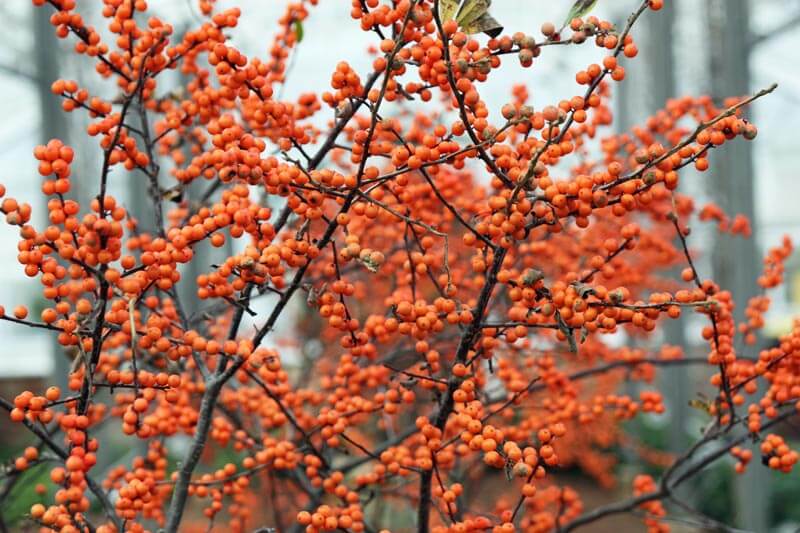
column 464, row 269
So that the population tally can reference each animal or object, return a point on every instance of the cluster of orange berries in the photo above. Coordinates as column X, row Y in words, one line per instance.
column 16, row 214
column 774, row 264
column 28, row 406
column 141, row 489
column 777, row 365
column 623, row 407
column 327, row 518
column 772, row 276
column 777, row 455
column 654, row 510
column 28, row 458
column 75, row 98
column 395, row 461
column 132, row 408
column 347, row 84
column 553, row 506
column 71, row 497
column 740, row 225
column 610, row 63
column 54, row 158
column 652, row 402
column 743, row 457
column 57, row 517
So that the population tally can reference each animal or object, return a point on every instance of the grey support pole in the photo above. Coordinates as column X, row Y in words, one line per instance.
column 52, row 124
column 659, row 58
column 736, row 260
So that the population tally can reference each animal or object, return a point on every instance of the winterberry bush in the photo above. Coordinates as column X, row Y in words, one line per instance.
column 458, row 272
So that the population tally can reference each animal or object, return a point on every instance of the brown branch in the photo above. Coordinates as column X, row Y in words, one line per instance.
column 446, row 404
column 726, row 388
column 225, row 372
column 462, row 108
column 690, row 139
column 666, row 488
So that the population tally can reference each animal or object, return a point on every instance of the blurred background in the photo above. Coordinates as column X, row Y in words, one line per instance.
column 692, row 47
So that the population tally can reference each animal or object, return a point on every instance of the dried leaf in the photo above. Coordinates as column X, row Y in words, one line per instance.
column 700, row 405
column 509, row 470
column 370, row 265
column 532, row 276
column 401, row 360
column 583, row 289
column 486, row 24
column 173, row 194
column 567, row 331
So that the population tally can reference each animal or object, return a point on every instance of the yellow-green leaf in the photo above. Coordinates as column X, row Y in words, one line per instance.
column 447, row 9
column 472, row 10
column 297, row 27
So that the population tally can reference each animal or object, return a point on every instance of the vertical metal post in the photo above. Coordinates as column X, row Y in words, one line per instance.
column 53, row 125
column 659, row 57
column 735, row 259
